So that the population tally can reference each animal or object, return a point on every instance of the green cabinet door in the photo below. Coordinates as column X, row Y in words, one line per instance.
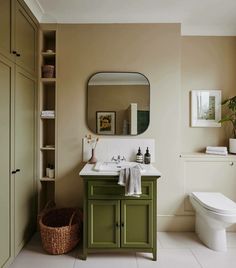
column 25, row 194
column 25, row 39
column 103, row 223
column 5, row 27
column 6, row 86
column 136, row 224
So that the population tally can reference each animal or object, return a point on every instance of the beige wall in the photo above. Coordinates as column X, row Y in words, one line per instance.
column 116, row 98
column 154, row 50
column 207, row 63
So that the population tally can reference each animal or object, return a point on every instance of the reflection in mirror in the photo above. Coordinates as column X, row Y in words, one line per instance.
column 118, row 103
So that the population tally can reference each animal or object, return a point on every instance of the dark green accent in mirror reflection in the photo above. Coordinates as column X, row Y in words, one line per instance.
column 143, row 121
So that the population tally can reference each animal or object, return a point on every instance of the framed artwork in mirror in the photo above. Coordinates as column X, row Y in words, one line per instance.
column 106, row 122
column 205, row 108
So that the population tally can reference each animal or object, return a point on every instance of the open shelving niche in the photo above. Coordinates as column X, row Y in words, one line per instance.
column 47, row 125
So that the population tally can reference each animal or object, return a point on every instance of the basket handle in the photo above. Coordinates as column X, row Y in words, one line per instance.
column 50, row 204
column 72, row 217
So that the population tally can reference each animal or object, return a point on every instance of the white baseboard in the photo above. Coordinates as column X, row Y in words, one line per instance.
column 180, row 223
column 175, row 223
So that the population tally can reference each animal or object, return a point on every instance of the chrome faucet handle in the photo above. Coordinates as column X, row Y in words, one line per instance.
column 113, row 158
column 118, row 159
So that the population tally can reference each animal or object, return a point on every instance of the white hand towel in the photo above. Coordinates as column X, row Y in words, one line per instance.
column 216, row 153
column 131, row 179
column 123, row 177
column 216, row 149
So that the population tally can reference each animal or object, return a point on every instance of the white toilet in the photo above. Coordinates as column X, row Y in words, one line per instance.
column 214, row 213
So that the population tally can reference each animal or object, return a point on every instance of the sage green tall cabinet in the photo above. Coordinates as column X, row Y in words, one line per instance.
column 18, row 80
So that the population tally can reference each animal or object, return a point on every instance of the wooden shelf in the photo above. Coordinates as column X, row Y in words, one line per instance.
column 47, row 179
column 47, row 118
column 47, row 122
column 48, row 54
column 48, row 80
column 47, row 148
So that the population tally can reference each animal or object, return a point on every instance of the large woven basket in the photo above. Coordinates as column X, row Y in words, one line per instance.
column 59, row 229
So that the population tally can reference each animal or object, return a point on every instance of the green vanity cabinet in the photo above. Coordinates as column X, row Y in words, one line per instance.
column 116, row 223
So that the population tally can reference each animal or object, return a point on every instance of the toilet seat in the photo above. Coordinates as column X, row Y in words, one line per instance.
column 216, row 202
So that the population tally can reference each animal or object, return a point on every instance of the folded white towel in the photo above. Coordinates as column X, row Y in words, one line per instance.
column 216, row 153
column 216, row 148
column 48, row 113
column 131, row 179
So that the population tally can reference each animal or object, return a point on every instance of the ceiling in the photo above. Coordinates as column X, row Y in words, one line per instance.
column 197, row 17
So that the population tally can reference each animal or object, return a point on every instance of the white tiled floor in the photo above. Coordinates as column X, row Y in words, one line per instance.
column 175, row 250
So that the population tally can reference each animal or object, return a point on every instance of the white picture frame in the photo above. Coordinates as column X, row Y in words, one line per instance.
column 205, row 108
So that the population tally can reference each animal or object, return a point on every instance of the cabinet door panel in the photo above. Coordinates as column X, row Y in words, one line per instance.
column 5, row 27
column 6, row 70
column 25, row 39
column 103, row 216
column 137, row 224
column 24, row 157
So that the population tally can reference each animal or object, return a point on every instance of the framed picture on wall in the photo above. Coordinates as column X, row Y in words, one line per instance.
column 205, row 108
column 106, row 122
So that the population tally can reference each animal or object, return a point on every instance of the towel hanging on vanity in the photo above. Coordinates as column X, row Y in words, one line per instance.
column 131, row 179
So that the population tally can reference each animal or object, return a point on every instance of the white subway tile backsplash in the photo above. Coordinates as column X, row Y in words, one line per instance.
column 107, row 148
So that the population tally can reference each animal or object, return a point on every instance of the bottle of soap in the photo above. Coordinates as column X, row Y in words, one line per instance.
column 147, row 157
column 139, row 156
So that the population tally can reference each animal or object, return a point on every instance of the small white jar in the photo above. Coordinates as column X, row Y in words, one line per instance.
column 51, row 173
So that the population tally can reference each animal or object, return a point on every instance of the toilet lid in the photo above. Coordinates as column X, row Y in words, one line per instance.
column 216, row 202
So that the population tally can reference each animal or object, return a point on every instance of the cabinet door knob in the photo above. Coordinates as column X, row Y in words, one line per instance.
column 117, row 225
column 231, row 163
column 122, row 224
column 17, row 54
column 18, row 170
column 13, row 52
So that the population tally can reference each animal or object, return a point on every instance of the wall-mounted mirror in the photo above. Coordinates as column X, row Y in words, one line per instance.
column 118, row 103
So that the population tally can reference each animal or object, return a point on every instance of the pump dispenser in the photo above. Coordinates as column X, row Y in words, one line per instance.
column 139, row 156
column 147, row 157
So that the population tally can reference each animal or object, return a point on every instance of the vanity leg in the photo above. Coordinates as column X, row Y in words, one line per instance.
column 154, row 253
column 83, row 257
column 85, row 249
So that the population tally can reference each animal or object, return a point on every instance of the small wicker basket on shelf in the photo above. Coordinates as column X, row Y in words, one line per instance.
column 48, row 71
column 60, row 229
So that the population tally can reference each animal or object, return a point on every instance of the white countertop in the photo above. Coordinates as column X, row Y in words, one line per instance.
column 88, row 170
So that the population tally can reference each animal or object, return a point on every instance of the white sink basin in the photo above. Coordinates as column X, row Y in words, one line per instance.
column 113, row 166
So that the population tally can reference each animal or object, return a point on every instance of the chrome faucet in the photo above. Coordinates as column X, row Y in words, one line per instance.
column 118, row 159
